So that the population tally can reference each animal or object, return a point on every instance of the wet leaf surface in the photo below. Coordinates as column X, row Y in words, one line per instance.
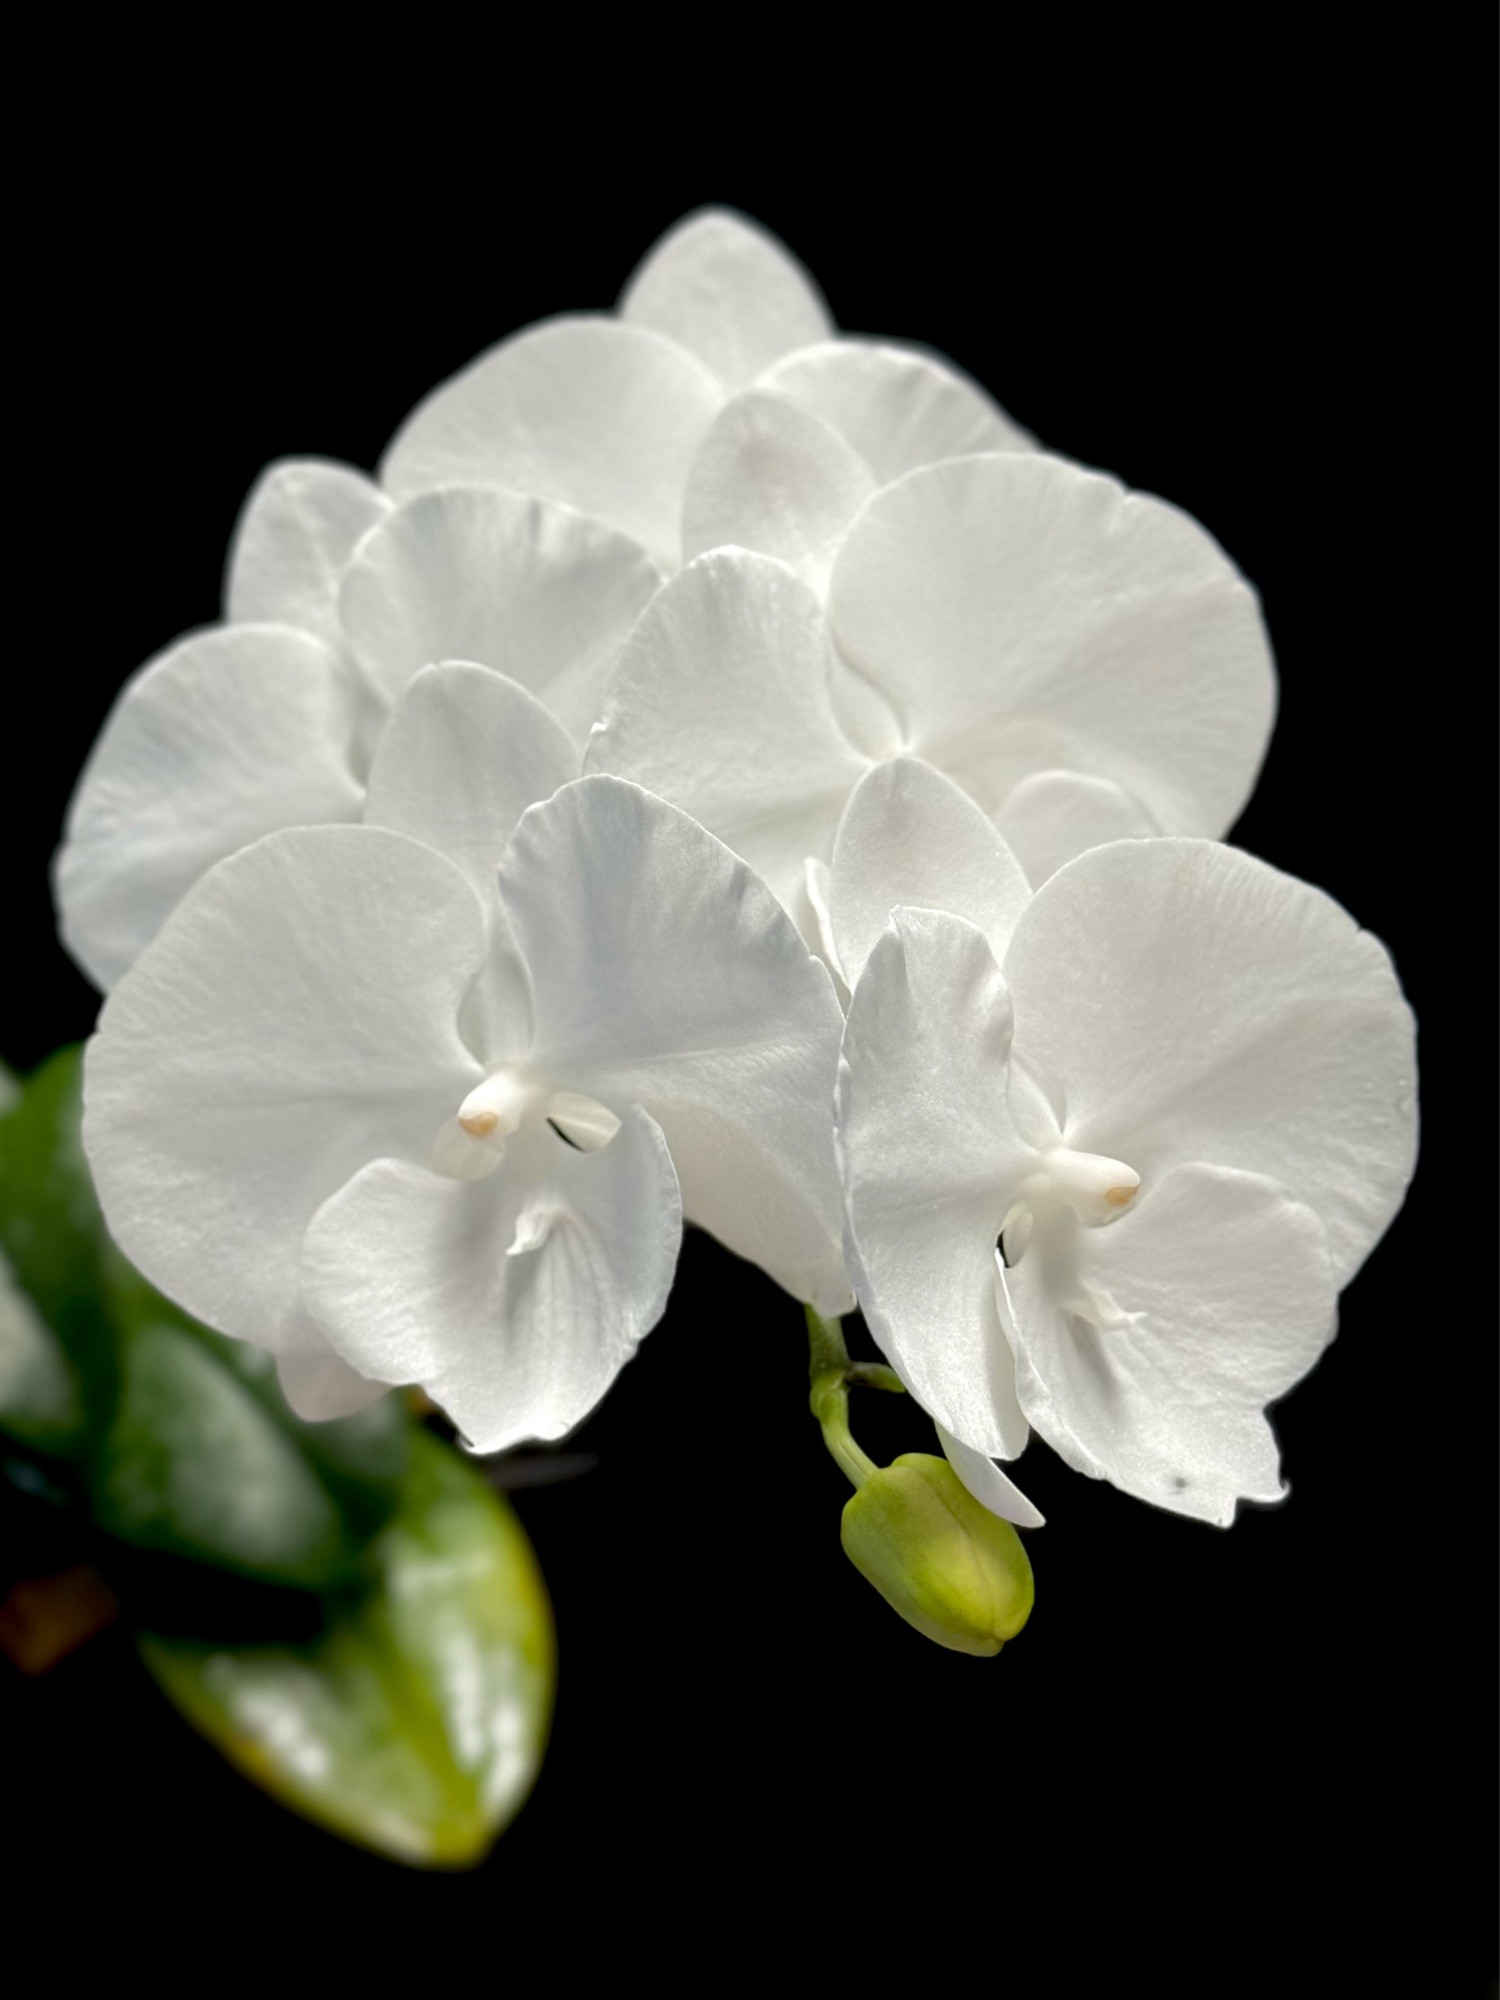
column 415, row 1723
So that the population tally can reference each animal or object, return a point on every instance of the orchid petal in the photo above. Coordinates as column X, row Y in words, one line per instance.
column 1225, row 1295
column 1053, row 815
column 727, row 291
column 909, row 835
column 817, row 887
column 988, row 1483
column 924, row 1134
column 228, row 735
column 864, row 714
column 534, row 591
column 1021, row 614
column 466, row 751
column 321, row 1386
column 514, row 1301
column 582, row 411
column 298, row 529
column 1187, row 1002
column 720, row 703
column 666, row 974
column 899, row 407
column 294, row 1020
column 772, row 477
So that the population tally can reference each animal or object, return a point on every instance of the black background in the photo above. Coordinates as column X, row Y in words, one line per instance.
column 1250, row 287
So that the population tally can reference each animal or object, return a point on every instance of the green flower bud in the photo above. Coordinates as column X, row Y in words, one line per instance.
column 949, row 1566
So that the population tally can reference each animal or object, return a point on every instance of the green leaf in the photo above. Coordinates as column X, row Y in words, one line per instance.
column 53, row 1236
column 40, row 1400
column 195, row 1465
column 187, row 1444
column 360, row 1459
column 416, row 1723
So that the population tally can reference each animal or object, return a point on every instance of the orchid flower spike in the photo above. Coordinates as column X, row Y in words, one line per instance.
column 1108, row 1160
column 716, row 398
column 398, row 1118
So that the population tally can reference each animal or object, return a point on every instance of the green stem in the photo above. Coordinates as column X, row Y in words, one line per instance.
column 875, row 1375
column 827, row 1352
column 831, row 1371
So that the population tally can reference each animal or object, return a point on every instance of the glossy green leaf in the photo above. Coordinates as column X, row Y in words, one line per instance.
column 416, row 1723
column 195, row 1465
column 360, row 1459
column 187, row 1445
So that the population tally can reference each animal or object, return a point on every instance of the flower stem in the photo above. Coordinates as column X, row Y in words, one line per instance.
column 831, row 1371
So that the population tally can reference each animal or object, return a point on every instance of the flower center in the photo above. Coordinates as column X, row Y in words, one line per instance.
column 1095, row 1187
column 494, row 1109
column 472, row 1142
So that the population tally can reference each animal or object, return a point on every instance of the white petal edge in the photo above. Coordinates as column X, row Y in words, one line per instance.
column 230, row 734
column 1021, row 614
column 899, row 407
column 666, row 974
column 321, row 1387
column 924, row 1127
column 300, row 525
column 1233, row 1293
column 532, row 590
column 466, row 751
column 772, row 477
column 295, row 1019
column 910, row 836
column 584, row 411
column 719, row 703
column 1186, row 1002
column 988, row 1484
column 727, row 290
column 513, row 1301
column 1053, row 816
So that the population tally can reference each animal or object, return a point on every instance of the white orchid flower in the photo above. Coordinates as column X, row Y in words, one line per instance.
column 1178, row 1088
column 356, row 1107
column 335, row 599
column 1084, row 662
column 717, row 404
column 531, row 490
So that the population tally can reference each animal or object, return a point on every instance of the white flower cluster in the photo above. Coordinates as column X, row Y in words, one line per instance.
column 725, row 770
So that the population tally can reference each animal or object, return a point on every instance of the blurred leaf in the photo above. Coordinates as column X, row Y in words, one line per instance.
column 53, row 1235
column 360, row 1459
column 416, row 1723
column 187, row 1443
column 40, row 1400
column 195, row 1465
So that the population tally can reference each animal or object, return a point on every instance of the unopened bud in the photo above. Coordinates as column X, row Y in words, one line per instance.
column 949, row 1566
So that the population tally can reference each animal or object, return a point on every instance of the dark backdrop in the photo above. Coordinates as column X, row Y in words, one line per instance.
column 1270, row 1745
